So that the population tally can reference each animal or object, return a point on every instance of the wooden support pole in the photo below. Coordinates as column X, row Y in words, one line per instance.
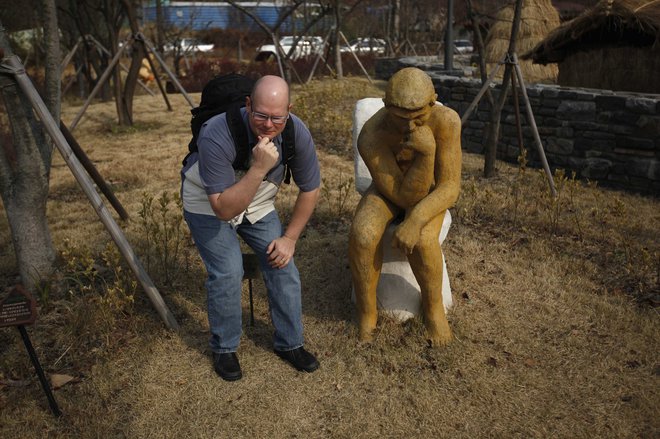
column 278, row 49
column 121, row 65
column 532, row 123
column 72, row 80
column 356, row 57
column 163, row 92
column 67, row 58
column 93, row 172
column 13, row 65
column 163, row 65
column 104, row 77
column 319, row 56
column 516, row 108
column 479, row 95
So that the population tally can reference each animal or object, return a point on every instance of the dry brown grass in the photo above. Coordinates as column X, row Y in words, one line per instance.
column 556, row 333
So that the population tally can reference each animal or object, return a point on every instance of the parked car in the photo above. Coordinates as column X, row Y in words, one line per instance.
column 366, row 45
column 187, row 45
column 307, row 45
column 463, row 46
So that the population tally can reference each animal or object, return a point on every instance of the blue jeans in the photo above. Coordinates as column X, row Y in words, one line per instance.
column 219, row 248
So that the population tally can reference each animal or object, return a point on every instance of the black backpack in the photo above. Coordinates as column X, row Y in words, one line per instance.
column 226, row 94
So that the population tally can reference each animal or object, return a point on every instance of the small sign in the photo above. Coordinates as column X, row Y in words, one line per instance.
column 18, row 308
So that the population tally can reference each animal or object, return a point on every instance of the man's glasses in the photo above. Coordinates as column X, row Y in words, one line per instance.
column 261, row 117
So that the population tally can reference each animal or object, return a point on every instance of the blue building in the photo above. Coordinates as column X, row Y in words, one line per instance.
column 221, row 15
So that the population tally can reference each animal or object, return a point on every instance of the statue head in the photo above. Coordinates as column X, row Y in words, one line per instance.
column 410, row 89
column 409, row 97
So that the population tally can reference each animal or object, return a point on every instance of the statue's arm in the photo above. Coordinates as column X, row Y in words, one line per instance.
column 447, row 132
column 419, row 178
column 382, row 165
column 447, row 169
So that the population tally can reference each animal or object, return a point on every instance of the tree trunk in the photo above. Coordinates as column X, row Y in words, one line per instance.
column 24, row 173
column 338, row 65
column 396, row 21
column 160, row 27
column 137, row 55
column 53, row 88
column 493, row 134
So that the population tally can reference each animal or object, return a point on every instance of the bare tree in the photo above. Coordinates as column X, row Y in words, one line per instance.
column 274, row 31
column 493, row 132
column 25, row 163
column 138, row 52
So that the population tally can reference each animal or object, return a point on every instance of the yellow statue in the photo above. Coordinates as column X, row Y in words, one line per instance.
column 412, row 148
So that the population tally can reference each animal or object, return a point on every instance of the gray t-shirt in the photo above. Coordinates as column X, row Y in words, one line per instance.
column 210, row 170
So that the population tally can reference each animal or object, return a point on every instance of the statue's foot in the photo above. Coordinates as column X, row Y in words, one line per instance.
column 438, row 334
column 367, row 328
column 366, row 336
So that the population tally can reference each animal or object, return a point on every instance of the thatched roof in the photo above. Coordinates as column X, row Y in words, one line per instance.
column 611, row 22
column 538, row 18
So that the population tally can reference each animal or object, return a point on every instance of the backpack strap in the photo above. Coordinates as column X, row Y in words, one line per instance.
column 288, row 148
column 239, row 133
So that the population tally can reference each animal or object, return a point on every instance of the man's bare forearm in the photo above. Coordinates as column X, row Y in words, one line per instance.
column 302, row 212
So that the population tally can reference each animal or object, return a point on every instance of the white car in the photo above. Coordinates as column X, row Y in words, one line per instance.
column 366, row 45
column 463, row 46
column 307, row 45
column 187, row 45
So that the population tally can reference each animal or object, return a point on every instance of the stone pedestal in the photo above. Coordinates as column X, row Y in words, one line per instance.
column 398, row 290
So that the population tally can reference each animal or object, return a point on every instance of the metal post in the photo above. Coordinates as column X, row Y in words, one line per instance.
column 251, row 303
column 40, row 372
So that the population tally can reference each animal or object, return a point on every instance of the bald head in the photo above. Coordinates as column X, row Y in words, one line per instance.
column 410, row 89
column 270, row 89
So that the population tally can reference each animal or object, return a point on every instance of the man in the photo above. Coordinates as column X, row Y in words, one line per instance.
column 219, row 206
column 412, row 149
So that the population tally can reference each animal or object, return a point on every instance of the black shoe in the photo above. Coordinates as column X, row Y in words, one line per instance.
column 226, row 365
column 299, row 358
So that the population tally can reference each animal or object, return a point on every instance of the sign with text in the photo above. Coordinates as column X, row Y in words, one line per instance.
column 18, row 308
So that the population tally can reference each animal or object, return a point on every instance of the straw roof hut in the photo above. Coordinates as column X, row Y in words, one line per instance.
column 614, row 46
column 538, row 18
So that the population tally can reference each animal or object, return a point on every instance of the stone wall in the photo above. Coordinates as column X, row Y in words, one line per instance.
column 610, row 137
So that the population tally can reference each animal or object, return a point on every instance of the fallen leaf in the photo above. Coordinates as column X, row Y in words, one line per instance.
column 58, row 380
column 530, row 362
